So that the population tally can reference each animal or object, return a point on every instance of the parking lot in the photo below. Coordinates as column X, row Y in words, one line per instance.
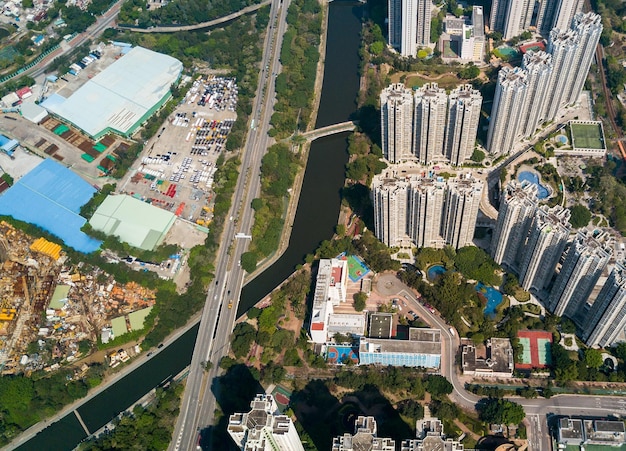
column 176, row 169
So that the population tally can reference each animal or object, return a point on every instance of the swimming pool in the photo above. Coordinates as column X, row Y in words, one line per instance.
column 493, row 296
column 434, row 272
column 532, row 177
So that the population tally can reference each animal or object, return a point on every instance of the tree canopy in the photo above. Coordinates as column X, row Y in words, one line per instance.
column 501, row 411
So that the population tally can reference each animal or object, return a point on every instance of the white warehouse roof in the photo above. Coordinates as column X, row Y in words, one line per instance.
column 120, row 97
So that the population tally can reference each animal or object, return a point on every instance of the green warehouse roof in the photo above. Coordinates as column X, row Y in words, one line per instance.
column 135, row 222
column 59, row 295
column 119, row 326
column 137, row 318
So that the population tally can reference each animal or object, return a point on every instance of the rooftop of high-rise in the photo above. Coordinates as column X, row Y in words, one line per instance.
column 539, row 60
column 512, row 77
column 525, row 191
column 556, row 216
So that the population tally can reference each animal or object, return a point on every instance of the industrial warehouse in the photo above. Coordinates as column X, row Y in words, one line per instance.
column 121, row 97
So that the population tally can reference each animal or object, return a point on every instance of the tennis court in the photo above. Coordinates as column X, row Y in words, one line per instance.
column 536, row 349
column 337, row 354
column 526, row 357
column 587, row 135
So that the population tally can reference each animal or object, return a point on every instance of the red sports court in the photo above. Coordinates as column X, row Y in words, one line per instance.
column 536, row 349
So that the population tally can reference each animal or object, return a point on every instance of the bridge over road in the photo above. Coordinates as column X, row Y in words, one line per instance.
column 210, row 23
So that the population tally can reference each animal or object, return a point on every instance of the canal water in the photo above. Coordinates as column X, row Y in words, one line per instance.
column 316, row 217
column 318, row 207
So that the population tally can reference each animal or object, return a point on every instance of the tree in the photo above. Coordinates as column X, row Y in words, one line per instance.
column 580, row 216
column 593, row 358
column 360, row 301
column 377, row 47
column 469, row 72
column 478, row 155
column 501, row 411
column 438, row 385
column 411, row 409
column 242, row 338
column 248, row 261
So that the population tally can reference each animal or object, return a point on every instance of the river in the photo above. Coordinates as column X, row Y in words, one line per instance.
column 315, row 219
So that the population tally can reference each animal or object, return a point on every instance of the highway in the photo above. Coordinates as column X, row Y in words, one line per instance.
column 219, row 314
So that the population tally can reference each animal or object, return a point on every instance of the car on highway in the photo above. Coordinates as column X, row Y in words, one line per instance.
column 230, row 304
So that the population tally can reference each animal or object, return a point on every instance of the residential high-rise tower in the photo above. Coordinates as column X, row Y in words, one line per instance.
column 586, row 257
column 518, row 204
column 461, row 211
column 464, row 105
column 429, row 123
column 606, row 319
column 507, row 110
column 396, row 117
column 547, row 239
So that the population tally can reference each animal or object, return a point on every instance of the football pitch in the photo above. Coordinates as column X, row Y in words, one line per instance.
column 587, row 136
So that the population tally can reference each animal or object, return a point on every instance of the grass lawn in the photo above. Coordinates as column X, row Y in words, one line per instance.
column 448, row 81
column 587, row 136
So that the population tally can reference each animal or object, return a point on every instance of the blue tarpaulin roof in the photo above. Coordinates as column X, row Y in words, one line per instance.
column 50, row 196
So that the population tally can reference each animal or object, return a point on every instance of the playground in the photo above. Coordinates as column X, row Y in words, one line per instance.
column 338, row 354
column 536, row 349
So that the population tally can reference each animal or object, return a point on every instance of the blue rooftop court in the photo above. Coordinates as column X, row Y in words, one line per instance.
column 50, row 196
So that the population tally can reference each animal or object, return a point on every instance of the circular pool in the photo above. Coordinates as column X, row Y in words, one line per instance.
column 434, row 272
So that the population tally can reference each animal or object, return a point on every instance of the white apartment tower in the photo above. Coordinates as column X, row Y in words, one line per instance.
column 518, row 16
column 606, row 320
column 395, row 23
column 424, row 211
column 424, row 16
column 565, row 11
column 518, row 205
column 390, row 197
column 396, row 118
column 563, row 46
column 263, row 428
column 588, row 26
column 586, row 257
column 538, row 66
column 409, row 25
column 426, row 199
column 556, row 14
column 547, row 239
column 464, row 105
column 429, row 123
column 508, row 104
column 364, row 438
column 408, row 45
column 461, row 211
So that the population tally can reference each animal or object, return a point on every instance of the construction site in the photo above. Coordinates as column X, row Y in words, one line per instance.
column 53, row 313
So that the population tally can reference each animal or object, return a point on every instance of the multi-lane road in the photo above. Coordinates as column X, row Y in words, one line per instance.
column 218, row 316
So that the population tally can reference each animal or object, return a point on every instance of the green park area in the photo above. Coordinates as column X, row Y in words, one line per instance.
column 447, row 81
column 587, row 135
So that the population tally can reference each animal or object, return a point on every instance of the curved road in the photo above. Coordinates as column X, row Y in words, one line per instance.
column 210, row 23
column 537, row 410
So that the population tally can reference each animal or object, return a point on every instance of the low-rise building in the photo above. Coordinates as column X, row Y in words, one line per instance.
column 497, row 361
column 364, row 438
column 381, row 325
column 570, row 431
column 347, row 324
column 422, row 349
column 330, row 289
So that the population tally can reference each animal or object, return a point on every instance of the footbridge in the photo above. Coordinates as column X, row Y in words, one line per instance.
column 327, row 131
column 210, row 23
